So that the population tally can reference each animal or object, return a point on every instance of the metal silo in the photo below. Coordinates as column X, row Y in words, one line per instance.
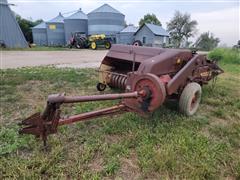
column 40, row 34
column 55, row 31
column 11, row 34
column 126, row 36
column 105, row 20
column 77, row 22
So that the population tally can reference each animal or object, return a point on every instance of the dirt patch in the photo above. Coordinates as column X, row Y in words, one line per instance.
column 219, row 121
column 112, row 138
column 129, row 168
column 96, row 164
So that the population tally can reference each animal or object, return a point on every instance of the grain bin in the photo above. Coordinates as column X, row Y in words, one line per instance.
column 55, row 31
column 105, row 20
column 77, row 22
column 11, row 35
column 40, row 34
column 126, row 36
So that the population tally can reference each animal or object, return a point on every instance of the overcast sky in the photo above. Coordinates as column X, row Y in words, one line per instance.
column 221, row 17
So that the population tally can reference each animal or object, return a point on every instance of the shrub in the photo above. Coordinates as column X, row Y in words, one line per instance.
column 228, row 56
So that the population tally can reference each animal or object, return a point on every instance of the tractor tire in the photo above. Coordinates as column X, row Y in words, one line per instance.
column 107, row 45
column 93, row 45
column 80, row 42
column 101, row 87
column 77, row 46
column 85, row 42
column 190, row 99
column 137, row 43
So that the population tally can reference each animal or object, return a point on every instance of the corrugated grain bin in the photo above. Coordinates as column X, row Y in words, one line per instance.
column 11, row 35
column 105, row 20
column 126, row 36
column 55, row 31
column 40, row 34
column 77, row 22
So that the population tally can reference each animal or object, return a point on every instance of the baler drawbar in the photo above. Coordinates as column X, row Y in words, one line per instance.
column 148, row 76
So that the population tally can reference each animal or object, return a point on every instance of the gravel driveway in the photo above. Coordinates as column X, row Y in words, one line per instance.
column 77, row 59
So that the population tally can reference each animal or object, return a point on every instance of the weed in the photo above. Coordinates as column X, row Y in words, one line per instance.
column 227, row 56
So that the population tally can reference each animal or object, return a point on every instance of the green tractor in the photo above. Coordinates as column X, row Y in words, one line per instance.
column 80, row 40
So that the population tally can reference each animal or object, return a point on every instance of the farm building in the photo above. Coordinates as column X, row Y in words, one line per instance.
column 77, row 22
column 55, row 31
column 40, row 34
column 126, row 36
column 105, row 20
column 152, row 35
column 10, row 33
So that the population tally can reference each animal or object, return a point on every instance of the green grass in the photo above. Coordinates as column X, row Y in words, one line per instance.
column 167, row 145
column 225, row 55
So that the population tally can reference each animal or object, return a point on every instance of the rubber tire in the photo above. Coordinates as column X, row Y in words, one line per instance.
column 77, row 46
column 101, row 87
column 95, row 45
column 137, row 43
column 107, row 45
column 187, row 96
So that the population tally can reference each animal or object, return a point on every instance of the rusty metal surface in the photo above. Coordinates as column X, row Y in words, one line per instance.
column 123, row 59
column 154, row 89
column 165, row 63
column 118, row 81
column 178, row 64
column 46, row 123
column 92, row 114
column 198, row 69
column 56, row 98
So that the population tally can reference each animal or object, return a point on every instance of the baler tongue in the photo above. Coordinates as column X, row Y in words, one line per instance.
column 146, row 94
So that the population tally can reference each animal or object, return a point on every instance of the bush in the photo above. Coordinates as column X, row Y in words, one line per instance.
column 228, row 56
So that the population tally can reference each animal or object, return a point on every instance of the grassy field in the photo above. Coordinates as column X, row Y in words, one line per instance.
column 168, row 145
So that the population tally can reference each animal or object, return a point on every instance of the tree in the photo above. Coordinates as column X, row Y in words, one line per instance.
column 207, row 41
column 149, row 18
column 180, row 28
column 26, row 27
column 125, row 23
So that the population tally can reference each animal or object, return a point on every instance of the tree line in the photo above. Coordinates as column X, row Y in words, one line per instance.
column 26, row 27
column 181, row 27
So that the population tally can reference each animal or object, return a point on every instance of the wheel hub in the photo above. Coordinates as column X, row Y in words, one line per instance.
column 153, row 92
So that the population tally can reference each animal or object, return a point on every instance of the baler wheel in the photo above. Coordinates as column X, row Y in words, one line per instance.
column 101, row 87
column 190, row 99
